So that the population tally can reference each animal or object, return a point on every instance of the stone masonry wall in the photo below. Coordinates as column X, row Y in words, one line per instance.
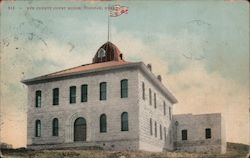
column 146, row 111
column 67, row 113
column 196, row 140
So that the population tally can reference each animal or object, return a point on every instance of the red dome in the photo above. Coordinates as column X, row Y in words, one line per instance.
column 107, row 52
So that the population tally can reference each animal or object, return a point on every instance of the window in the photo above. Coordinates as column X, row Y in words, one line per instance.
column 38, row 128
column 84, row 93
column 170, row 113
column 151, row 128
column 165, row 134
column 160, row 132
column 124, row 88
column 38, row 98
column 55, row 127
column 208, row 133
column 56, row 96
column 103, row 123
column 143, row 91
column 72, row 94
column 103, row 91
column 155, row 100
column 155, row 129
column 170, row 136
column 184, row 134
column 150, row 96
column 124, row 121
column 101, row 53
column 164, row 108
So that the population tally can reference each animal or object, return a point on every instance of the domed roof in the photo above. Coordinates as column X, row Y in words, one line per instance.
column 107, row 52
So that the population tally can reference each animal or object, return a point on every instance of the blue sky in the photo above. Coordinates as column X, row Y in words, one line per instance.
column 200, row 48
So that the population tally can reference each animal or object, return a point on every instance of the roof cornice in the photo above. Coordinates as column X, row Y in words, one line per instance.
column 47, row 78
column 158, row 83
column 140, row 65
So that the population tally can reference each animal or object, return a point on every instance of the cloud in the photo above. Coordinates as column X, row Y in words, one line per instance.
column 197, row 90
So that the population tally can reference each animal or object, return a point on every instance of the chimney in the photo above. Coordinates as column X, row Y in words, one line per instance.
column 149, row 67
column 159, row 77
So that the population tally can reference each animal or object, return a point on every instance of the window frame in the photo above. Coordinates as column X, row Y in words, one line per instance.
column 38, row 99
column 124, row 88
column 155, row 102
column 151, row 126
column 103, row 123
column 101, row 53
column 160, row 132
column 124, row 121
column 170, row 113
column 184, row 134
column 208, row 133
column 84, row 93
column 55, row 127
column 165, row 134
column 103, row 90
column 38, row 128
column 155, row 129
column 164, row 108
column 143, row 90
column 150, row 96
column 55, row 96
column 72, row 94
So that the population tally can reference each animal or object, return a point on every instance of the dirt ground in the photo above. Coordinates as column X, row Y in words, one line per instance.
column 233, row 151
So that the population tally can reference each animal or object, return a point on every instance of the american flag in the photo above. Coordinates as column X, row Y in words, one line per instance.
column 118, row 10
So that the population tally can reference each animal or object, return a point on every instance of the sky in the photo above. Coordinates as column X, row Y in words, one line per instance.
column 201, row 49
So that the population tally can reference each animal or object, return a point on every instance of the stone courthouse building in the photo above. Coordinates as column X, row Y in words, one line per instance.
column 114, row 104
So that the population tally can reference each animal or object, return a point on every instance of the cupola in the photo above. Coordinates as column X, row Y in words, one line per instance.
column 107, row 52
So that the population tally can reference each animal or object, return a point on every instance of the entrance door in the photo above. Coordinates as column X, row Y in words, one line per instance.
column 80, row 129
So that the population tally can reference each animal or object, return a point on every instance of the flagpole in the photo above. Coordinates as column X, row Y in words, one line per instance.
column 108, row 23
column 115, row 11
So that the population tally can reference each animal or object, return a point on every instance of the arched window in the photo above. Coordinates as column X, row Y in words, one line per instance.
column 124, row 88
column 55, row 127
column 103, row 91
column 103, row 123
column 124, row 121
column 38, row 98
column 38, row 128
column 101, row 53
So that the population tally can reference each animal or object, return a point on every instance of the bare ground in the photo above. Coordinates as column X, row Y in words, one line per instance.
column 234, row 151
